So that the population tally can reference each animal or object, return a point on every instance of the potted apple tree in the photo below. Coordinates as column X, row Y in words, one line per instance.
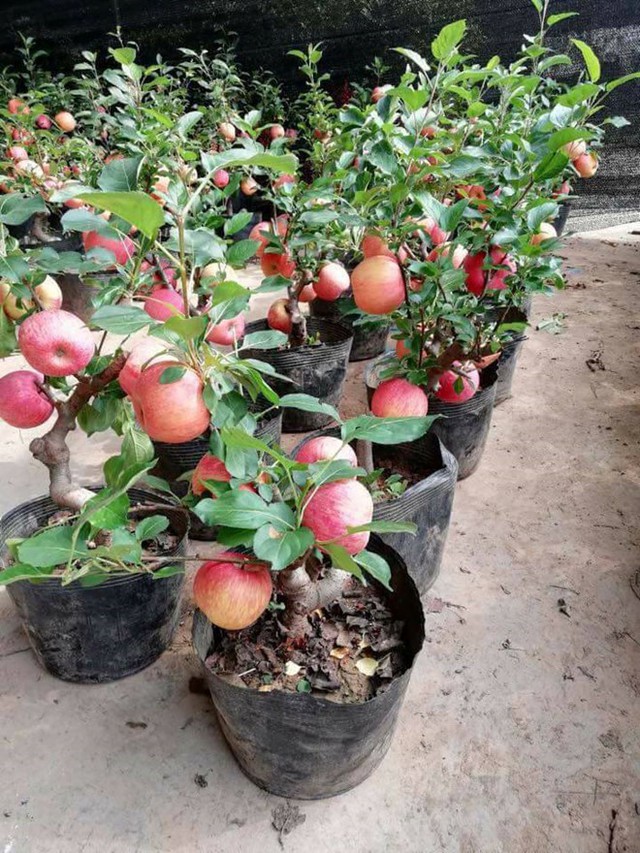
column 307, row 625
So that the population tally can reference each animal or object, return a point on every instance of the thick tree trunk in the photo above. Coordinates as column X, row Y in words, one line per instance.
column 303, row 594
column 51, row 449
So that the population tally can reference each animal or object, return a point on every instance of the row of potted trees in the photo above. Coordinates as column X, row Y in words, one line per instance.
column 427, row 212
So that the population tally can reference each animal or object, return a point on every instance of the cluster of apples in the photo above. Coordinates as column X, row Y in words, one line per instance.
column 232, row 592
column 54, row 343
column 584, row 162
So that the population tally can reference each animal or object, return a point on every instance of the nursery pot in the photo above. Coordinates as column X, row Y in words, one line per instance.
column 560, row 221
column 301, row 745
column 317, row 370
column 426, row 503
column 369, row 339
column 463, row 428
column 510, row 350
column 97, row 633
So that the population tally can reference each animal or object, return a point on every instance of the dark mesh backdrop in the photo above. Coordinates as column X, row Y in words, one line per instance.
column 353, row 32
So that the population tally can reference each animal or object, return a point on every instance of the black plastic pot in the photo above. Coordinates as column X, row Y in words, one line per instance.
column 299, row 745
column 463, row 428
column 316, row 370
column 95, row 634
column 369, row 339
column 510, row 353
column 77, row 295
column 427, row 503
column 560, row 221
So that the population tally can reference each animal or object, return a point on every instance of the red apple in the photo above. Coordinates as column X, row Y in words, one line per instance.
column 122, row 248
column 232, row 593
column 575, row 149
column 48, row 295
column 173, row 412
column 43, row 122
column 586, row 165
column 208, row 468
column 227, row 131
column 144, row 353
column 282, row 180
column 278, row 316
column 333, row 281
column 275, row 263
column 373, row 244
column 221, row 178
column 23, row 403
column 307, row 294
column 65, row 121
column 448, row 380
column 276, row 131
column 249, row 186
column 161, row 188
column 18, row 153
column 56, row 342
column 326, row 447
column 227, row 332
column 377, row 285
column 16, row 106
column 433, row 231
column 476, row 274
column 378, row 93
column 399, row 398
column 546, row 232
column 336, row 506
column 163, row 303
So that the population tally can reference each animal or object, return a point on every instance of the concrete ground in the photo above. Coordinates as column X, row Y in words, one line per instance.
column 520, row 732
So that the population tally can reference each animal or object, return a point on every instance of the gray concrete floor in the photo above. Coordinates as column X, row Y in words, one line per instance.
column 520, row 731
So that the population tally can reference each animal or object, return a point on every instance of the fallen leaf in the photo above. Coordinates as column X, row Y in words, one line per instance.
column 367, row 666
column 340, row 652
column 291, row 668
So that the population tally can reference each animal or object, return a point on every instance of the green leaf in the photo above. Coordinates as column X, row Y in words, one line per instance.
column 287, row 163
column 591, row 61
column 187, row 328
column 303, row 686
column 172, row 374
column 8, row 341
column 136, row 447
column 382, row 156
column 560, row 16
column 307, row 403
column 422, row 63
column 382, row 526
column 237, row 222
column 20, row 572
column 120, row 319
column 245, row 510
column 567, row 134
column 231, row 537
column 415, row 99
column 376, row 566
column 578, row 94
column 264, row 340
column 239, row 253
column 541, row 213
column 550, row 166
column 187, row 122
column 120, row 175
column 99, row 415
column 123, row 55
column 448, row 39
column 16, row 209
column 317, row 218
column 386, row 430
column 621, row 81
column 107, row 513
column 328, row 472
column 341, row 559
column 136, row 208
column 281, row 548
column 151, row 526
column 168, row 571
column 13, row 268
column 49, row 548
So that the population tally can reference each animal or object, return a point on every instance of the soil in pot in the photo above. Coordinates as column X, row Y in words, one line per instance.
column 95, row 634
column 463, row 428
column 317, row 369
column 324, row 727
column 417, row 483
column 369, row 339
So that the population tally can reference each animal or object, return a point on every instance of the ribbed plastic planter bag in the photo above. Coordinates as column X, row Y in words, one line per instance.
column 506, row 365
column 464, row 427
column 302, row 746
column 101, row 633
column 316, row 370
column 368, row 341
column 426, row 503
